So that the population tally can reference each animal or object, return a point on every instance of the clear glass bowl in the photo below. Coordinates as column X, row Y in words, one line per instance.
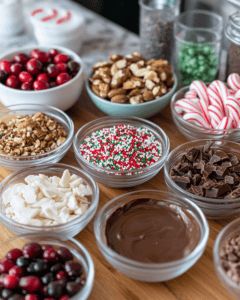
column 228, row 231
column 65, row 230
column 212, row 208
column 78, row 250
column 195, row 132
column 155, row 272
column 18, row 162
column 120, row 179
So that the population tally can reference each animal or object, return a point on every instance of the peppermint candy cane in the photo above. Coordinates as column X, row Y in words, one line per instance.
column 234, row 81
column 201, row 90
column 222, row 92
column 234, row 109
column 216, row 115
column 231, row 92
column 204, row 110
column 226, row 123
column 197, row 119
column 190, row 95
column 186, row 105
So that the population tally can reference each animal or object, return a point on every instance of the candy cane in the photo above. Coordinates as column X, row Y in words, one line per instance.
column 234, row 109
column 231, row 92
column 186, row 105
column 190, row 95
column 197, row 119
column 204, row 110
column 222, row 92
column 234, row 81
column 201, row 90
column 216, row 115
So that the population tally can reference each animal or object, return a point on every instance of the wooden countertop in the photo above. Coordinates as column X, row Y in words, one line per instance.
column 198, row 283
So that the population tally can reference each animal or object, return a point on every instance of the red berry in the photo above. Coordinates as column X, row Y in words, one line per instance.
column 20, row 58
column 17, row 271
column 16, row 68
column 30, row 283
column 42, row 57
column 1, row 279
column 10, row 281
column 43, row 290
column 52, row 52
column 43, row 76
column 32, row 250
column 64, row 297
column 31, row 297
column 5, row 65
column 34, row 66
column 61, row 275
column 12, row 81
column 60, row 58
column 39, row 85
column 63, row 78
column 14, row 254
column 5, row 266
column 46, row 247
column 52, row 70
column 62, row 67
column 33, row 52
column 26, row 86
column 73, row 268
column 64, row 254
column 50, row 255
column 24, row 76
column 52, row 84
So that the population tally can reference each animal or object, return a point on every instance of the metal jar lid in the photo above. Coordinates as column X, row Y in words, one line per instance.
column 232, row 30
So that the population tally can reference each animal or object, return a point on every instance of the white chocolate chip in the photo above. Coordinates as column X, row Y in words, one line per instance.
column 65, row 179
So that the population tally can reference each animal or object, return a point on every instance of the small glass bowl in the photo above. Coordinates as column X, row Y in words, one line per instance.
column 155, row 272
column 195, row 132
column 79, row 252
column 114, row 178
column 212, row 208
column 18, row 162
column 65, row 230
column 227, row 232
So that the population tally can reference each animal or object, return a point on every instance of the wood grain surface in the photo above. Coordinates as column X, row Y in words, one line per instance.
column 199, row 283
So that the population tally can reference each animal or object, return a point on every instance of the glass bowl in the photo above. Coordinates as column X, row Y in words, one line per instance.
column 114, row 178
column 195, row 132
column 213, row 208
column 78, row 250
column 18, row 162
column 227, row 232
column 151, row 272
column 65, row 230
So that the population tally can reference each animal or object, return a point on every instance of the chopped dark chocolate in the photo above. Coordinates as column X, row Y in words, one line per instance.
column 191, row 154
column 197, row 190
column 219, row 155
column 182, row 181
column 229, row 179
column 207, row 147
column 236, row 169
column 207, row 170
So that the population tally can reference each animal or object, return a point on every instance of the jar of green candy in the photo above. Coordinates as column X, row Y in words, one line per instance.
column 198, row 41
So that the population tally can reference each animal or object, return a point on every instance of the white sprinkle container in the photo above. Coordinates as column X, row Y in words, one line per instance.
column 58, row 26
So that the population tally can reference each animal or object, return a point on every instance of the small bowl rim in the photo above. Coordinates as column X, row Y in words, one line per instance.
column 127, row 105
column 48, row 153
column 117, row 172
column 53, row 228
column 153, row 266
column 72, row 53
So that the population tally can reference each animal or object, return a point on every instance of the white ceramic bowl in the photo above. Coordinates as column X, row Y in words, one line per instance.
column 62, row 97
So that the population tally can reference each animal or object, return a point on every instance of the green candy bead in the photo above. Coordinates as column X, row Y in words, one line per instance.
column 191, row 51
column 202, row 69
column 212, row 72
column 189, row 70
column 206, row 50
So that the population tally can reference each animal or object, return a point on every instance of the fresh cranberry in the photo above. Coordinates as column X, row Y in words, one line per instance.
column 1, row 279
column 33, row 52
column 64, row 297
column 16, row 68
column 21, row 58
column 5, row 65
column 12, row 81
column 43, row 290
column 52, row 84
column 55, row 289
column 26, row 86
column 31, row 297
column 5, row 266
column 43, row 76
column 52, row 70
column 73, row 67
column 62, row 67
column 30, row 283
column 32, row 250
column 14, row 254
column 61, row 275
column 72, row 288
column 3, row 75
column 81, row 280
column 73, row 268
column 42, row 57
column 10, row 281
column 60, row 58
column 17, row 271
column 63, row 78
column 64, row 254
column 24, row 76
column 50, row 255
column 45, row 247
column 52, row 52
column 39, row 85
column 34, row 66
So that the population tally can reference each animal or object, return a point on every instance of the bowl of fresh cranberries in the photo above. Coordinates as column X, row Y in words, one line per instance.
column 46, row 75
column 44, row 268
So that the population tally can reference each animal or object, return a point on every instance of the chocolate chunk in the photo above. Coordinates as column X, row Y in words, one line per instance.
column 207, row 170
column 197, row 190
column 207, row 146
column 236, row 193
column 196, row 179
column 236, row 169
column 221, row 171
column 209, row 184
column 229, row 179
column 218, row 190
column 191, row 154
column 218, row 156
column 199, row 165
column 182, row 181
column 234, row 160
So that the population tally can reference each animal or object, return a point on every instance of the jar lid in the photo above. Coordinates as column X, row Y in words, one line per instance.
column 232, row 30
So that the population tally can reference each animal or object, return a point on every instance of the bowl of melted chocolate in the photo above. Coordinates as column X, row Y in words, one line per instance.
column 151, row 235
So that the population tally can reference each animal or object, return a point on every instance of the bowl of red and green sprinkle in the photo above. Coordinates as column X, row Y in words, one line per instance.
column 121, row 151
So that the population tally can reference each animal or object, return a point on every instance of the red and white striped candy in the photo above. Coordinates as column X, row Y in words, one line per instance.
column 237, row 95
column 215, row 98
column 222, row 92
column 187, row 106
column 226, row 123
column 191, row 95
column 201, row 90
column 234, row 109
column 231, row 92
column 197, row 119
column 234, row 81
column 216, row 115
column 204, row 109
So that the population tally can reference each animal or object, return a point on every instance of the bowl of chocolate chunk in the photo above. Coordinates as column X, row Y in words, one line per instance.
column 226, row 257
column 151, row 235
column 131, row 85
column 33, row 134
column 208, row 173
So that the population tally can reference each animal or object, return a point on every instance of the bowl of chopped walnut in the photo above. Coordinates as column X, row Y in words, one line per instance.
column 131, row 85
column 33, row 134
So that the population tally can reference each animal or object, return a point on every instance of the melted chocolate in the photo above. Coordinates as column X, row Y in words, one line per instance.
column 151, row 231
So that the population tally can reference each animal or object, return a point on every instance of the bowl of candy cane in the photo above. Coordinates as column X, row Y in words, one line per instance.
column 209, row 110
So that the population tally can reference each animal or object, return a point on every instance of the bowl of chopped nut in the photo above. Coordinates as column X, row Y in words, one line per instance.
column 57, row 199
column 33, row 134
column 131, row 85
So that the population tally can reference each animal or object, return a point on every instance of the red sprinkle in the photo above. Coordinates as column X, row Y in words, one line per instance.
column 36, row 11
column 50, row 17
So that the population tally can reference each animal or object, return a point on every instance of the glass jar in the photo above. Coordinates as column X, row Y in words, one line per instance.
column 156, row 27
column 198, row 42
column 233, row 34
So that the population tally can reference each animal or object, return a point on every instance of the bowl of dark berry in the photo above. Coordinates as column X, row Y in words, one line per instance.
column 36, row 268
column 47, row 75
